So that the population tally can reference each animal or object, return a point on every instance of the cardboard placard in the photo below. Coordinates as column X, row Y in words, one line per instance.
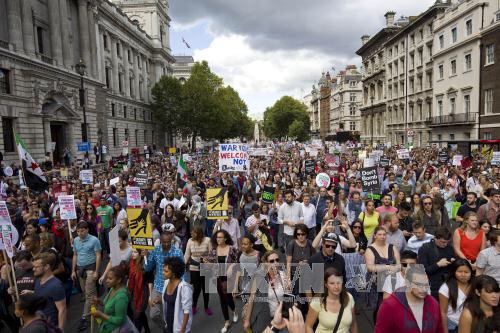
column 370, row 180
column 309, row 166
column 233, row 157
column 323, row 180
column 141, row 232
column 134, row 196
column 87, row 177
column 67, row 207
column 217, row 203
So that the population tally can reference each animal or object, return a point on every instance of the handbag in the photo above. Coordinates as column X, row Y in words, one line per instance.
column 339, row 319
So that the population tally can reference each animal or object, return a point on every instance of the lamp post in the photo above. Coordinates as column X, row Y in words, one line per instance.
column 371, row 141
column 80, row 69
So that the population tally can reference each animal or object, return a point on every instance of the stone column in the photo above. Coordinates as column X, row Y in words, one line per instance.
column 55, row 31
column 126, row 76
column 158, row 72
column 65, row 27
column 101, row 56
column 145, row 93
column 28, row 37
column 92, row 13
column 83, row 27
column 136, row 75
column 14, row 24
column 114, row 63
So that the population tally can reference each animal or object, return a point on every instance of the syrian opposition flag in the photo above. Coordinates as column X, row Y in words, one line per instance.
column 182, row 176
column 33, row 174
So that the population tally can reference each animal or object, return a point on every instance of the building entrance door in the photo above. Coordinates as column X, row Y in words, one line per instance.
column 57, row 134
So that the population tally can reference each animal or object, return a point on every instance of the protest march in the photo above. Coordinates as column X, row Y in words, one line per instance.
column 274, row 237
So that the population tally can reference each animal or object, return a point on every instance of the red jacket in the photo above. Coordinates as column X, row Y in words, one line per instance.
column 395, row 315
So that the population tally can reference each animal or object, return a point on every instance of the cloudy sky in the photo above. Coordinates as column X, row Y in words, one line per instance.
column 269, row 48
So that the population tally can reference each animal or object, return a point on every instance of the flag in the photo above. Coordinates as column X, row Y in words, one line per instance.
column 33, row 174
column 184, row 41
column 182, row 177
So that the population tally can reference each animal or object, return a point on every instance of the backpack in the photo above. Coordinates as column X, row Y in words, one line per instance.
column 49, row 327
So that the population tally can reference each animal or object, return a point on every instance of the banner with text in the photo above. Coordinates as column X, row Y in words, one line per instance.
column 233, row 157
column 370, row 180
column 67, row 207
column 134, row 196
column 87, row 177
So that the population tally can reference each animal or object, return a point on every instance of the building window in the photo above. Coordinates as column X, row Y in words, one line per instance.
column 452, row 137
column 115, row 137
column 453, row 65
column 488, row 101
column 454, row 35
column 124, row 111
column 441, row 71
column 466, row 104
column 490, row 54
column 126, row 134
column 113, row 114
column 8, row 134
column 144, row 115
column 105, row 41
column 468, row 27
column 353, row 97
column 468, row 62
column 39, row 39
column 107, row 72
column 120, row 82
column 129, row 58
column 131, row 86
column 497, row 16
column 440, row 108
column 487, row 136
column 352, row 111
column 352, row 84
column 140, row 89
column 135, row 114
column 441, row 41
column 4, row 81
column 145, row 136
column 440, row 137
column 452, row 105
column 136, row 135
column 352, row 126
column 118, row 49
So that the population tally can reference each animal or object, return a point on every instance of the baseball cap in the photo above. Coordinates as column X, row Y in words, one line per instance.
column 168, row 227
column 331, row 236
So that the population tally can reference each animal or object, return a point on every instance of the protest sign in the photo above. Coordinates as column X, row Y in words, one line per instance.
column 233, row 157
column 457, row 160
column 268, row 194
column 403, row 154
column 4, row 213
column 187, row 158
column 141, row 233
column 141, row 178
column 134, row 196
column 496, row 158
column 217, row 203
column 368, row 162
column 384, row 162
column 443, row 157
column 323, row 180
column 114, row 246
column 172, row 150
column 114, row 181
column 309, row 166
column 7, row 238
column 67, row 207
column 370, row 180
column 87, row 177
column 64, row 172
column 258, row 152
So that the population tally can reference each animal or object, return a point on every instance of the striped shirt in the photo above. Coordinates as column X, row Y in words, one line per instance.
column 156, row 259
column 196, row 251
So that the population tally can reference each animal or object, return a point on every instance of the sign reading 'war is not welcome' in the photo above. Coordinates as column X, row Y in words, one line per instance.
column 233, row 157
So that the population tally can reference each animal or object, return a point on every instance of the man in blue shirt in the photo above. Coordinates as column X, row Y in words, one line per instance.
column 155, row 261
column 86, row 263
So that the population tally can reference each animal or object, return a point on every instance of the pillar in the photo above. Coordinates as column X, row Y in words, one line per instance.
column 55, row 31
column 145, row 92
column 136, row 74
column 114, row 64
column 126, row 76
column 65, row 27
column 28, row 36
column 14, row 24
column 83, row 27
column 93, row 39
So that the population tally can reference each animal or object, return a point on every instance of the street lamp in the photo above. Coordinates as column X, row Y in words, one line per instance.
column 80, row 69
column 371, row 141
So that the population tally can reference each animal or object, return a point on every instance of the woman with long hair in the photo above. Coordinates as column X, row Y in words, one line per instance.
column 360, row 238
column 119, row 213
column 342, row 202
column 400, row 198
column 168, row 216
column 181, row 228
column 415, row 203
column 369, row 218
column 298, row 252
column 198, row 246
column 480, row 305
column 30, row 229
column 90, row 216
column 139, row 291
column 453, row 292
column 469, row 239
column 335, row 309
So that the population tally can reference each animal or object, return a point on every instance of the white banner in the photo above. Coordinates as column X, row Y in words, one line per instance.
column 233, row 157
column 87, row 177
column 134, row 196
column 457, row 160
column 403, row 154
column 67, row 207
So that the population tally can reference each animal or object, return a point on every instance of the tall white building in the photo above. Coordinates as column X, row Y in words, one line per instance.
column 182, row 67
column 457, row 43
column 125, row 47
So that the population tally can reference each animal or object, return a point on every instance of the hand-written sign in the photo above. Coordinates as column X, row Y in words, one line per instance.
column 67, row 207
column 233, row 157
column 370, row 180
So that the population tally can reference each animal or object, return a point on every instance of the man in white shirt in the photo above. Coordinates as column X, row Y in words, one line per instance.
column 290, row 214
column 419, row 238
column 169, row 199
column 309, row 212
column 396, row 281
column 231, row 225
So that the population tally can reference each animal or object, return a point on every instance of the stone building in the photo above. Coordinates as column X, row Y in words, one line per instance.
column 409, row 79
column 373, row 54
column 312, row 103
column 182, row 67
column 489, row 109
column 125, row 47
column 325, row 91
column 346, row 101
column 457, row 68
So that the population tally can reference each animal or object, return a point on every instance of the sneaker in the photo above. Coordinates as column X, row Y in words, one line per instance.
column 195, row 309
column 226, row 327
column 208, row 312
column 83, row 325
column 235, row 316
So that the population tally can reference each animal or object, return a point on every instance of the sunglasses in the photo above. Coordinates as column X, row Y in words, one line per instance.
column 331, row 246
column 272, row 261
column 404, row 264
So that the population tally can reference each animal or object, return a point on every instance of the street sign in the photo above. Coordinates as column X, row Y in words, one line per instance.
column 83, row 146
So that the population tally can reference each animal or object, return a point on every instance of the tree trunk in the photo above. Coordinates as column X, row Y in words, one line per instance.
column 193, row 142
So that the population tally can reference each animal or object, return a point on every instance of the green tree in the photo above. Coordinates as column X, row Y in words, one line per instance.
column 279, row 118
column 167, row 105
column 233, row 114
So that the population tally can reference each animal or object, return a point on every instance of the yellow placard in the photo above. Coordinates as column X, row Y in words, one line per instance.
column 217, row 203
column 487, row 152
column 64, row 172
column 172, row 150
column 140, row 228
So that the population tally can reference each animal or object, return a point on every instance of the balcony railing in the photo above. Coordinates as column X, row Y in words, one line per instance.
column 4, row 44
column 46, row 59
column 453, row 119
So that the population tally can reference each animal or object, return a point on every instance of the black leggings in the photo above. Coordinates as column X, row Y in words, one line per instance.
column 226, row 300
column 198, row 283
column 141, row 321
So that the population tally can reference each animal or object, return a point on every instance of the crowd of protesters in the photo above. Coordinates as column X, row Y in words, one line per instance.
column 425, row 249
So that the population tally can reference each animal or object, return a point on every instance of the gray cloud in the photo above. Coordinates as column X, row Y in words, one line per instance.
column 327, row 26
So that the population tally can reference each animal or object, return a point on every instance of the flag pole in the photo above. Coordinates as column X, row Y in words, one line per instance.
column 20, row 162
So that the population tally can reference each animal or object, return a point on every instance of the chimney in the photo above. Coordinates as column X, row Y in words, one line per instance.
column 364, row 39
column 389, row 18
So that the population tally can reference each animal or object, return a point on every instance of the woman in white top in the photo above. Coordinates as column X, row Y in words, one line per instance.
column 119, row 213
column 335, row 309
column 197, row 247
column 453, row 293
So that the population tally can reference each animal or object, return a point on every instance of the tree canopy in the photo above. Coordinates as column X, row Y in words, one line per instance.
column 288, row 117
column 201, row 107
